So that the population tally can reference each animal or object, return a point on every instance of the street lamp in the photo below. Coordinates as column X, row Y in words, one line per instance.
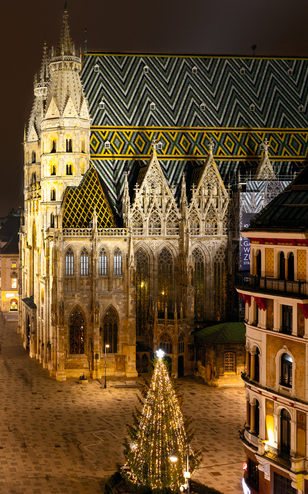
column 106, row 346
column 174, row 458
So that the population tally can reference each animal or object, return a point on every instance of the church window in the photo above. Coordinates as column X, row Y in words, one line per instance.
column 290, row 71
column 181, row 345
column 84, row 263
column 229, row 360
column 199, row 288
column 33, row 156
column 77, row 333
column 111, row 330
column 165, row 281
column 53, row 194
column 211, row 223
column 53, row 170
column 53, row 147
column 102, row 263
column 219, row 289
column 69, row 263
column 194, row 225
column 165, row 343
column 69, row 146
column 52, row 220
column 117, row 262
column 154, row 224
column 69, row 169
column 142, row 290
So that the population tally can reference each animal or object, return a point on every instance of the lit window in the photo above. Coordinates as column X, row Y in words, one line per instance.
column 229, row 362
column 117, row 262
column 286, row 370
column 13, row 264
column 69, row 263
column 13, row 305
column 102, row 263
column 14, row 283
column 84, row 263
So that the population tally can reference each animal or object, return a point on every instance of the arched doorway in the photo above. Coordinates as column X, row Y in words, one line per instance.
column 77, row 332
column 13, row 305
column 181, row 366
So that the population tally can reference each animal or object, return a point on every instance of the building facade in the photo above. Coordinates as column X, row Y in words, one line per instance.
column 130, row 230
column 276, row 301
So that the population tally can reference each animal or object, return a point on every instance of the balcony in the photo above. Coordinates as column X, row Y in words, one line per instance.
column 275, row 286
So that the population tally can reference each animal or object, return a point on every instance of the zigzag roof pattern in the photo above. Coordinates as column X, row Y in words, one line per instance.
column 179, row 85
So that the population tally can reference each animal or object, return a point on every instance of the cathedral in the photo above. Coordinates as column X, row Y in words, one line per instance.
column 133, row 199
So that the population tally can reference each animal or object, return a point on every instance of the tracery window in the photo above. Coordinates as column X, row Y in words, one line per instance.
column 77, row 332
column 194, row 224
column 199, row 288
column 154, row 224
column 165, row 343
column 220, row 285
column 165, row 281
column 211, row 223
column 102, row 262
column 69, row 263
column 137, row 223
column 84, row 263
column 181, row 345
column 111, row 330
column 142, row 290
column 172, row 224
column 117, row 262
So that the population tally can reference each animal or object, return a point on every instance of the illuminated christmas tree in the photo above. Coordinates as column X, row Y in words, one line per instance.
column 159, row 431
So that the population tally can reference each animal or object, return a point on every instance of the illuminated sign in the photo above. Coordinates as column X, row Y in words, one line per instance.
column 246, row 489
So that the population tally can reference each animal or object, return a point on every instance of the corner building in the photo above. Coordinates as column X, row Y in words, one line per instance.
column 131, row 215
column 275, row 293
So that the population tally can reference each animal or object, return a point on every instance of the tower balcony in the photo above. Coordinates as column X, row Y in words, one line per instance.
column 274, row 286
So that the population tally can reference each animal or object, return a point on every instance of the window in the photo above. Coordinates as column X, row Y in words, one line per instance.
column 154, row 224
column 145, row 69
column 291, row 267
column 286, row 370
column 117, row 262
column 13, row 305
column 257, row 366
column 33, row 156
column 68, row 169
column 142, row 291
column 77, row 332
column 202, row 107
column 33, row 179
column 257, row 417
column 287, row 319
column 283, row 485
column 53, row 147
column 165, row 343
column 14, row 283
column 242, row 71
column 111, row 330
column 253, row 473
column 229, row 362
column 69, row 263
column 69, row 146
column 102, row 263
column 281, row 266
column 258, row 263
column 53, row 170
column 83, row 146
column 107, row 145
column 52, row 220
column 53, row 195
column 199, row 280
column 102, row 105
column 285, row 432
column 165, row 281
column 195, row 70
column 84, row 263
column 13, row 264
column 96, row 68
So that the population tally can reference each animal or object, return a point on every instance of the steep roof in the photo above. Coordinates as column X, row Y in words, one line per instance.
column 220, row 334
column 288, row 211
column 10, row 228
column 12, row 247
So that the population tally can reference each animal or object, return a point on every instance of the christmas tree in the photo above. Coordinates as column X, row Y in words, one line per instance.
column 159, row 431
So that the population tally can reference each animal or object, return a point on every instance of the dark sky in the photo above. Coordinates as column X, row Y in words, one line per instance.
column 277, row 27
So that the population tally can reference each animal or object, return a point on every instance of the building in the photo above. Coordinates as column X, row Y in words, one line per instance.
column 9, row 262
column 276, row 301
column 130, row 229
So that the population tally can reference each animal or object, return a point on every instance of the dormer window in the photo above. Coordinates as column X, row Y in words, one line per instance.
column 152, row 107
column 107, row 145
column 159, row 146
column 53, row 147
column 202, row 107
column 195, row 70
column 69, row 146
column 96, row 68
column 242, row 71
column 145, row 69
column 69, row 170
column 102, row 105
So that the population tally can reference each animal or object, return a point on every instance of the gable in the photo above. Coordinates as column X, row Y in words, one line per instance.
column 52, row 111
column 70, row 110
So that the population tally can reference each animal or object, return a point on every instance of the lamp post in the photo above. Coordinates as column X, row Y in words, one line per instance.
column 174, row 458
column 106, row 346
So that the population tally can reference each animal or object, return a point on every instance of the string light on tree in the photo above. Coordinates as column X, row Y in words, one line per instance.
column 158, row 433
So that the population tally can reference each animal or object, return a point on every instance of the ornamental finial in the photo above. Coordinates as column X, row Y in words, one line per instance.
column 265, row 145
column 211, row 145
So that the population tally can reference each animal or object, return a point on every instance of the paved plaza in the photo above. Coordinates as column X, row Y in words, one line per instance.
column 66, row 438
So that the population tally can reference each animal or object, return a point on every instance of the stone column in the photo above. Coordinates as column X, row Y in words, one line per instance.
column 252, row 418
column 252, row 365
column 60, row 374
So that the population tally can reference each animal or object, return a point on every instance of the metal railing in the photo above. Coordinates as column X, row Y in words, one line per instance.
column 251, row 282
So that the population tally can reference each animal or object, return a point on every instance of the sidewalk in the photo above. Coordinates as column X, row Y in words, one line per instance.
column 66, row 438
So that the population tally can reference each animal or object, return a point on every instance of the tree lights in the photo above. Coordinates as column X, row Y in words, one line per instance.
column 158, row 433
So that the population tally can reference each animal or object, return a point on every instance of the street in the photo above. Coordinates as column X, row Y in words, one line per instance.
column 66, row 438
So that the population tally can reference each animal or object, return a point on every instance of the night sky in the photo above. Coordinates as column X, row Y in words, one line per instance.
column 277, row 27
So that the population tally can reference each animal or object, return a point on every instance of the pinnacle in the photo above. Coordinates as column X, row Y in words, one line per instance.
column 65, row 46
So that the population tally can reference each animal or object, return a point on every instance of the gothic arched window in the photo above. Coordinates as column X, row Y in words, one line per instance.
column 52, row 170
column 69, row 263
column 165, row 281
column 69, row 146
column 84, row 263
column 117, row 262
column 211, row 223
column 199, row 281
column 165, row 343
column 154, row 224
column 220, row 285
column 33, row 156
column 77, row 333
column 52, row 220
column 69, row 169
column 172, row 223
column 111, row 330
column 102, row 263
column 142, row 290
column 194, row 224
column 53, row 194
column 137, row 223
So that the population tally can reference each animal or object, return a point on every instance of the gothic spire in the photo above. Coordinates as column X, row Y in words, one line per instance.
column 44, row 72
column 65, row 45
